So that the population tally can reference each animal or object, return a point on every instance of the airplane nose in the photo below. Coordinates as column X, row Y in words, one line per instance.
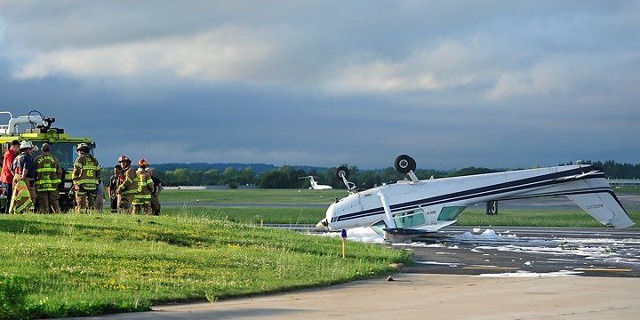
column 323, row 224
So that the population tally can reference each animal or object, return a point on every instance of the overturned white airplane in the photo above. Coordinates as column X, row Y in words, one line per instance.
column 315, row 185
column 417, row 207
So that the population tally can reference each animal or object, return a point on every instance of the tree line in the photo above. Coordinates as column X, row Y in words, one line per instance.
column 290, row 177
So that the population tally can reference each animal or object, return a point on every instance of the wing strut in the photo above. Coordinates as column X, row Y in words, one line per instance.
column 388, row 217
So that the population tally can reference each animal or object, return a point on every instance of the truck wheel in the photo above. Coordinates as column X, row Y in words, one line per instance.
column 404, row 164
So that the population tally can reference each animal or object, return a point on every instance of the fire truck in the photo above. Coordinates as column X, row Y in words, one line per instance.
column 39, row 129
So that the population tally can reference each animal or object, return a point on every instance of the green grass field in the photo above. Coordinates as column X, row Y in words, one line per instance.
column 90, row 264
column 73, row 265
column 252, row 196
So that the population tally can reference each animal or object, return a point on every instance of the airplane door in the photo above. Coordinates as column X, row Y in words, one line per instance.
column 431, row 214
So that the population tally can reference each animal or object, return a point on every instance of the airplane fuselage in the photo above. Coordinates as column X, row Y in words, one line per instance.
column 432, row 204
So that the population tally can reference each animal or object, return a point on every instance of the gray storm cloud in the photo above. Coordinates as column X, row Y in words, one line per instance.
column 492, row 83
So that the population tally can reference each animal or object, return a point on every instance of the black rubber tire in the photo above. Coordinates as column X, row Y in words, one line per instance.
column 404, row 164
column 342, row 171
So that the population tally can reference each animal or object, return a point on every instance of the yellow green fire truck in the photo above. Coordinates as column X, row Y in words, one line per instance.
column 38, row 129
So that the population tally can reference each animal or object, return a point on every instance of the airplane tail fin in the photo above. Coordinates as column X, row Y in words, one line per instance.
column 605, row 207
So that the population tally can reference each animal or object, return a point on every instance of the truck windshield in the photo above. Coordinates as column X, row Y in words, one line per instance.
column 65, row 152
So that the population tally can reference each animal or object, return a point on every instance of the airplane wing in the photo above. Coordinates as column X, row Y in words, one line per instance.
column 402, row 234
column 410, row 233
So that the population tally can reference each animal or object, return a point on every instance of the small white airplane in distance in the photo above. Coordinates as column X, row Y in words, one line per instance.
column 414, row 208
column 315, row 185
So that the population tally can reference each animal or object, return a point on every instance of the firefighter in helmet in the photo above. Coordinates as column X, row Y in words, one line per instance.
column 126, row 190
column 86, row 171
column 48, row 174
column 144, row 188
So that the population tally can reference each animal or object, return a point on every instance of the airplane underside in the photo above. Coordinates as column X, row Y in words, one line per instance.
column 425, row 206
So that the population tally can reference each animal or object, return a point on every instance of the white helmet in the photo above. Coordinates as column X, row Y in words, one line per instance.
column 26, row 145
column 83, row 147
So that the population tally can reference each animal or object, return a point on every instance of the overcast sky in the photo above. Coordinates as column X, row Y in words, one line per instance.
column 499, row 84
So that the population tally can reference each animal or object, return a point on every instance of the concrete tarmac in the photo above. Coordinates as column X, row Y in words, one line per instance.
column 429, row 296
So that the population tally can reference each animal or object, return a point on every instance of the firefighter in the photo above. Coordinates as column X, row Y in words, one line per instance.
column 48, row 174
column 126, row 189
column 24, row 173
column 144, row 188
column 86, row 171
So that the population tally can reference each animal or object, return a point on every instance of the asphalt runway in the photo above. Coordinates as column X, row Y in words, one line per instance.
column 524, row 250
column 515, row 250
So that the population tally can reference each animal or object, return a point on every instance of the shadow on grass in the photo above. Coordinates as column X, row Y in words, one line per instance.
column 134, row 230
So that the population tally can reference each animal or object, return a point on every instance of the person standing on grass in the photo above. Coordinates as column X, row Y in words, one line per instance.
column 126, row 190
column 48, row 173
column 157, row 187
column 6, row 176
column 112, row 187
column 144, row 187
column 24, row 175
column 86, row 171
column 99, row 196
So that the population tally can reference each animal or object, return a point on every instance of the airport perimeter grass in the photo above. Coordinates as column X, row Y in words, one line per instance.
column 574, row 218
column 73, row 265
column 252, row 196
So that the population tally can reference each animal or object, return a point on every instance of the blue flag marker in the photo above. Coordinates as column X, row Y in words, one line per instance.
column 343, row 235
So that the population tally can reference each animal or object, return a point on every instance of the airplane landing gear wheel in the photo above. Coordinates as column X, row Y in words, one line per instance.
column 342, row 171
column 404, row 164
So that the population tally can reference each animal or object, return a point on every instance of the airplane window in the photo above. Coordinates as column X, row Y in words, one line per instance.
column 378, row 227
column 450, row 213
column 410, row 219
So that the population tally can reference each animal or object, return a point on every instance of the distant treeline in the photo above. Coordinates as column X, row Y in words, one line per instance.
column 613, row 170
column 290, row 177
